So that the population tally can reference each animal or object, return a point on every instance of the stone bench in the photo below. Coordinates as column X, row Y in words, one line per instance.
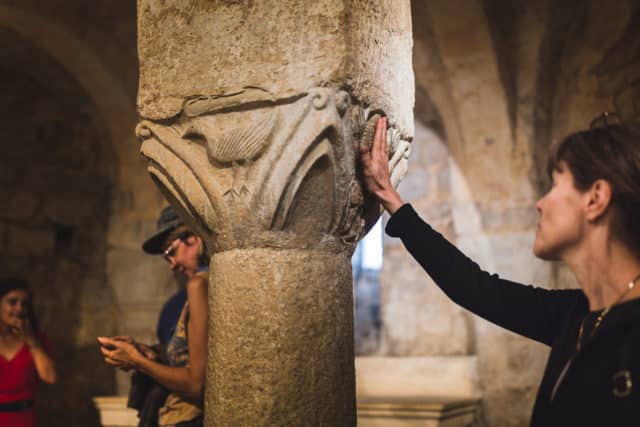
column 417, row 412
column 417, row 391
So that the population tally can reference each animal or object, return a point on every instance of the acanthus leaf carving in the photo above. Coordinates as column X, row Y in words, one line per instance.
column 237, row 147
column 252, row 162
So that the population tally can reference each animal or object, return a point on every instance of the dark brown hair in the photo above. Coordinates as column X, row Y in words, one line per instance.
column 611, row 153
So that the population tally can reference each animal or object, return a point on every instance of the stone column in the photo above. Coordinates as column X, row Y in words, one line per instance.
column 252, row 115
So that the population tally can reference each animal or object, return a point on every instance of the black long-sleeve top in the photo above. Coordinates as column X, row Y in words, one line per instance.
column 593, row 390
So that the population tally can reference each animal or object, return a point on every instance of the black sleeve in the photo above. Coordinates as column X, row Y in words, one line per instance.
column 536, row 313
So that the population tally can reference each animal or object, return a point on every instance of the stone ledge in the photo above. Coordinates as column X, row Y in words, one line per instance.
column 416, row 377
column 114, row 412
column 417, row 412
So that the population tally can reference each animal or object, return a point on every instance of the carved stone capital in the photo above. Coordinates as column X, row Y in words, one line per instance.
column 251, row 170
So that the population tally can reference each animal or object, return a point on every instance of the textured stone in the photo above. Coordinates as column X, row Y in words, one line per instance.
column 299, row 300
column 285, row 48
column 27, row 240
column 21, row 205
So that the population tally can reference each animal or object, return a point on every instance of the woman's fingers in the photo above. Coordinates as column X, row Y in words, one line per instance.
column 117, row 363
column 375, row 160
column 381, row 136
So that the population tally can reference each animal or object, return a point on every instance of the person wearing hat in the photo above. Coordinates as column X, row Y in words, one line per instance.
column 183, row 374
column 167, row 222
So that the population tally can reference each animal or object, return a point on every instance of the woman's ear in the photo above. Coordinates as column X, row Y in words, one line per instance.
column 599, row 199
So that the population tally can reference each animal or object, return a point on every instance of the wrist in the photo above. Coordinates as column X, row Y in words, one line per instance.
column 391, row 200
column 139, row 362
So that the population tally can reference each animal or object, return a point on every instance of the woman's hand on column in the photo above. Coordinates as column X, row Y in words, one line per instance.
column 375, row 169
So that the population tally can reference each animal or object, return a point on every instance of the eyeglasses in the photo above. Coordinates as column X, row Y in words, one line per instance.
column 170, row 251
column 605, row 119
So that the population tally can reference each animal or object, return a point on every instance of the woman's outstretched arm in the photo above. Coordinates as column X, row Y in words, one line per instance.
column 527, row 310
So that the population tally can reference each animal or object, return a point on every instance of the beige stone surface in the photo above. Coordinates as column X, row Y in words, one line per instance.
column 280, row 339
column 283, row 47
column 417, row 412
column 114, row 412
column 416, row 377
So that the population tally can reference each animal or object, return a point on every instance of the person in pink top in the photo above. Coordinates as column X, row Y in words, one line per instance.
column 25, row 355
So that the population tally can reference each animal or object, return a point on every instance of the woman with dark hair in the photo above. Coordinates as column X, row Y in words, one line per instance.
column 589, row 219
column 183, row 370
column 25, row 355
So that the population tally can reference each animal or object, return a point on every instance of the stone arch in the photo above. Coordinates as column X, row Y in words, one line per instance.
column 85, row 66
column 597, row 67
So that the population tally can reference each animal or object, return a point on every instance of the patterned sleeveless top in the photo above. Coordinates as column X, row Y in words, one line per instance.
column 176, row 409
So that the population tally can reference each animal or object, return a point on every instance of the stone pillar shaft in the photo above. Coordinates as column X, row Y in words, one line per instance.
column 298, row 370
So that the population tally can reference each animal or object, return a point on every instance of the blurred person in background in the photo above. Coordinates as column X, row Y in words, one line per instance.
column 179, row 367
column 25, row 355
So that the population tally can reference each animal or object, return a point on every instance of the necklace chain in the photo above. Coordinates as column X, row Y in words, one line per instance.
column 603, row 313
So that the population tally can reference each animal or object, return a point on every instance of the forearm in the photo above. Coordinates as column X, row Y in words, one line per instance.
column 45, row 366
column 527, row 310
column 183, row 380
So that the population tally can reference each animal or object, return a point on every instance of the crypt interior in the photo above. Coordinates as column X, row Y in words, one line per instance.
column 496, row 83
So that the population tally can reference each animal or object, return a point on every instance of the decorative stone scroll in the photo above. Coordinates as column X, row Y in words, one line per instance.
column 250, row 170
